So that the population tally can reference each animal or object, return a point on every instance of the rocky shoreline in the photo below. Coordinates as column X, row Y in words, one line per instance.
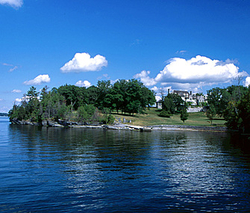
column 118, row 126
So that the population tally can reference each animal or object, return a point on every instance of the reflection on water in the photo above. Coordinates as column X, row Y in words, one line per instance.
column 72, row 170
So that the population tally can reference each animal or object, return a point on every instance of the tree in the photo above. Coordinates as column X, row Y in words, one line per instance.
column 32, row 107
column 237, row 113
column 184, row 114
column 211, row 112
column 173, row 103
column 244, row 112
column 71, row 94
column 129, row 96
column 32, row 93
column 168, row 105
column 82, row 114
column 103, row 89
column 231, row 115
column 220, row 98
column 92, row 95
column 215, row 96
column 148, row 97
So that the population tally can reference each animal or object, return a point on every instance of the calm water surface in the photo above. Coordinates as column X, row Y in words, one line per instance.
column 70, row 170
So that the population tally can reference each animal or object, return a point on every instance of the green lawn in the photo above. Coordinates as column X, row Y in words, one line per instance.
column 151, row 118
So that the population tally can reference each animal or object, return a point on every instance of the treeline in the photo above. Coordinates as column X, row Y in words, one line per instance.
column 82, row 104
column 231, row 103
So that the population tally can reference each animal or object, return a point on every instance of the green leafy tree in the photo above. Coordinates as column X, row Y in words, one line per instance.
column 173, row 103
column 214, row 98
column 82, row 114
column 244, row 112
column 231, row 115
column 103, row 100
column 211, row 112
column 130, row 96
column 71, row 94
column 178, row 102
column 92, row 95
column 168, row 105
column 148, row 97
column 221, row 97
column 237, row 114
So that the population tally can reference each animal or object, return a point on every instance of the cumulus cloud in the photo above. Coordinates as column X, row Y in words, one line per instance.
column 12, row 3
column 196, row 69
column 83, row 83
column 247, row 82
column 16, row 91
column 82, row 62
column 199, row 69
column 145, row 79
column 38, row 80
column 193, row 74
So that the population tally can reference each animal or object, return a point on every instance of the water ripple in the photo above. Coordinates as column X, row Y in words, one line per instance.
column 71, row 170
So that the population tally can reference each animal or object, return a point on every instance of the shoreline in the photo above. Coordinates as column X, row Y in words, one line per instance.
column 169, row 127
column 120, row 126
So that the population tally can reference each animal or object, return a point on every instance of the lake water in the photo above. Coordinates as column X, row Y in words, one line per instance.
column 70, row 170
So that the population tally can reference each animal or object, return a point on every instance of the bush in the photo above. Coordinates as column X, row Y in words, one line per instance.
column 165, row 113
column 107, row 119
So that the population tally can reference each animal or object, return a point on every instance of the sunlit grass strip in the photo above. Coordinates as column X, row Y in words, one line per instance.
column 151, row 118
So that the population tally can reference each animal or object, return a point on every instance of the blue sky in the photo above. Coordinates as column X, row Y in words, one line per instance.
column 180, row 44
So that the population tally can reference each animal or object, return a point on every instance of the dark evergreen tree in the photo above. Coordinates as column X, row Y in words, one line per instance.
column 184, row 114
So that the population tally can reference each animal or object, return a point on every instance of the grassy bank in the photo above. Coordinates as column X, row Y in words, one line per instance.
column 151, row 118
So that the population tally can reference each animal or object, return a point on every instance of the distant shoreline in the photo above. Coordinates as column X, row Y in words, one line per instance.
column 3, row 114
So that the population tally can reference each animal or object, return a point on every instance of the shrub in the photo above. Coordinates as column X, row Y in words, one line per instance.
column 164, row 113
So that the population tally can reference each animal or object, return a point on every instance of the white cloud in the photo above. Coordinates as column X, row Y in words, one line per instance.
column 181, row 52
column 1, row 99
column 114, row 81
column 158, row 98
column 198, row 70
column 82, row 62
column 161, row 91
column 247, row 82
column 16, row 91
column 6, row 64
column 10, row 65
column 38, row 80
column 83, row 83
column 19, row 99
column 187, row 86
column 12, row 3
column 193, row 74
column 24, row 98
column 14, row 68
column 145, row 79
column 104, row 76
